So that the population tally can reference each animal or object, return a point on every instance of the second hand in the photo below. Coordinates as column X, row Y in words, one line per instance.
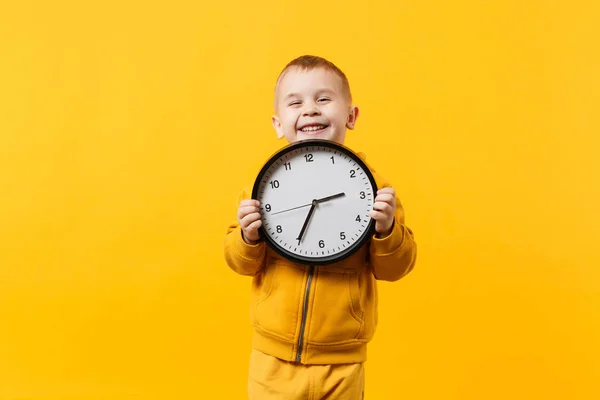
column 322, row 200
column 290, row 209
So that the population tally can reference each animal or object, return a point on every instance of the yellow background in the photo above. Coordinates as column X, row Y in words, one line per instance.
column 128, row 127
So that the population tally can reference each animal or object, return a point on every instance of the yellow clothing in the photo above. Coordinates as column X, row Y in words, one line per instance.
column 273, row 379
column 319, row 315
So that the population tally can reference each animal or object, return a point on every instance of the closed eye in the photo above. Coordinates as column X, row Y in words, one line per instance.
column 295, row 103
column 323, row 99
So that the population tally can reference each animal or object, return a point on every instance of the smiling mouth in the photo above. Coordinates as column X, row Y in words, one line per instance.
column 313, row 129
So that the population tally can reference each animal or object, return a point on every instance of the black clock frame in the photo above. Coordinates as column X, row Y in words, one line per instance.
column 329, row 259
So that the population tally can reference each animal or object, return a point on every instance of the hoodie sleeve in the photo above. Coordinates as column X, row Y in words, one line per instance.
column 395, row 255
column 243, row 258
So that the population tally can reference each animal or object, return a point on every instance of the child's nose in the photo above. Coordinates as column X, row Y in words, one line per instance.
column 310, row 111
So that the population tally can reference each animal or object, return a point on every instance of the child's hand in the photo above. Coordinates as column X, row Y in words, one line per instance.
column 383, row 211
column 249, row 219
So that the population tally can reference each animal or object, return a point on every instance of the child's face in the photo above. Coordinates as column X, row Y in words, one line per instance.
column 312, row 104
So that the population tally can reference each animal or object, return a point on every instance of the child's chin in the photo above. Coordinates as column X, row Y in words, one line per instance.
column 325, row 134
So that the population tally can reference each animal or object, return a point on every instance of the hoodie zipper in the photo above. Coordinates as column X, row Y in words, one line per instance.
column 304, row 312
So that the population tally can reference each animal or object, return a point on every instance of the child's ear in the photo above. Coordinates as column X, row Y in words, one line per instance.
column 352, row 117
column 277, row 126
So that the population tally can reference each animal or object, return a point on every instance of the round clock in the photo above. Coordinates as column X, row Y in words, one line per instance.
column 315, row 197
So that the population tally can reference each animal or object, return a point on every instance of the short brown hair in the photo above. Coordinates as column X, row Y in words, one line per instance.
column 308, row 62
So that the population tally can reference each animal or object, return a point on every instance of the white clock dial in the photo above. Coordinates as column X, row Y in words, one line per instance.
column 322, row 179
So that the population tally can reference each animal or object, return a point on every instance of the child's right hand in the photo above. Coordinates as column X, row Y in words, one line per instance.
column 249, row 219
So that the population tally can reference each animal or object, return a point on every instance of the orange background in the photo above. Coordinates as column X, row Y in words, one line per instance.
column 127, row 129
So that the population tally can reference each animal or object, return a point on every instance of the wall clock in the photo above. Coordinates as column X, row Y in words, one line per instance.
column 315, row 197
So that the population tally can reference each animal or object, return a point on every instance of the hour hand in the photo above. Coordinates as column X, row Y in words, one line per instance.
column 335, row 196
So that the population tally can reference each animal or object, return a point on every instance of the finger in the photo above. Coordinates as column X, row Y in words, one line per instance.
column 388, row 198
column 383, row 207
column 252, row 233
column 245, row 210
column 249, row 202
column 387, row 190
column 377, row 215
column 249, row 219
column 254, row 226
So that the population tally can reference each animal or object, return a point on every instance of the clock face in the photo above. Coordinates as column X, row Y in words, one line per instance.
column 315, row 197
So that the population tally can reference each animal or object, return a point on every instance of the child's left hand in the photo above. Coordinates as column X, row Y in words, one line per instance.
column 383, row 211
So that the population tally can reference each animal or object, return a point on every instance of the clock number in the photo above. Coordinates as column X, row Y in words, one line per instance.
column 268, row 207
column 357, row 218
column 274, row 184
column 309, row 157
column 288, row 166
column 279, row 230
column 362, row 195
column 343, row 235
column 321, row 244
column 352, row 173
column 332, row 160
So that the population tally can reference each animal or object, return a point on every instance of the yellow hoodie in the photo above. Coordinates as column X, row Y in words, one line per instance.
column 319, row 315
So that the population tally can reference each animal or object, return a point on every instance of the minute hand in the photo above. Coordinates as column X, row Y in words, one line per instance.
column 310, row 213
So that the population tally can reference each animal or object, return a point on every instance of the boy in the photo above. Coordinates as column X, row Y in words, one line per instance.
column 313, row 100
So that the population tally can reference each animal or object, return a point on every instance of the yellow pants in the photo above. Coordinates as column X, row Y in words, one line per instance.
column 272, row 378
